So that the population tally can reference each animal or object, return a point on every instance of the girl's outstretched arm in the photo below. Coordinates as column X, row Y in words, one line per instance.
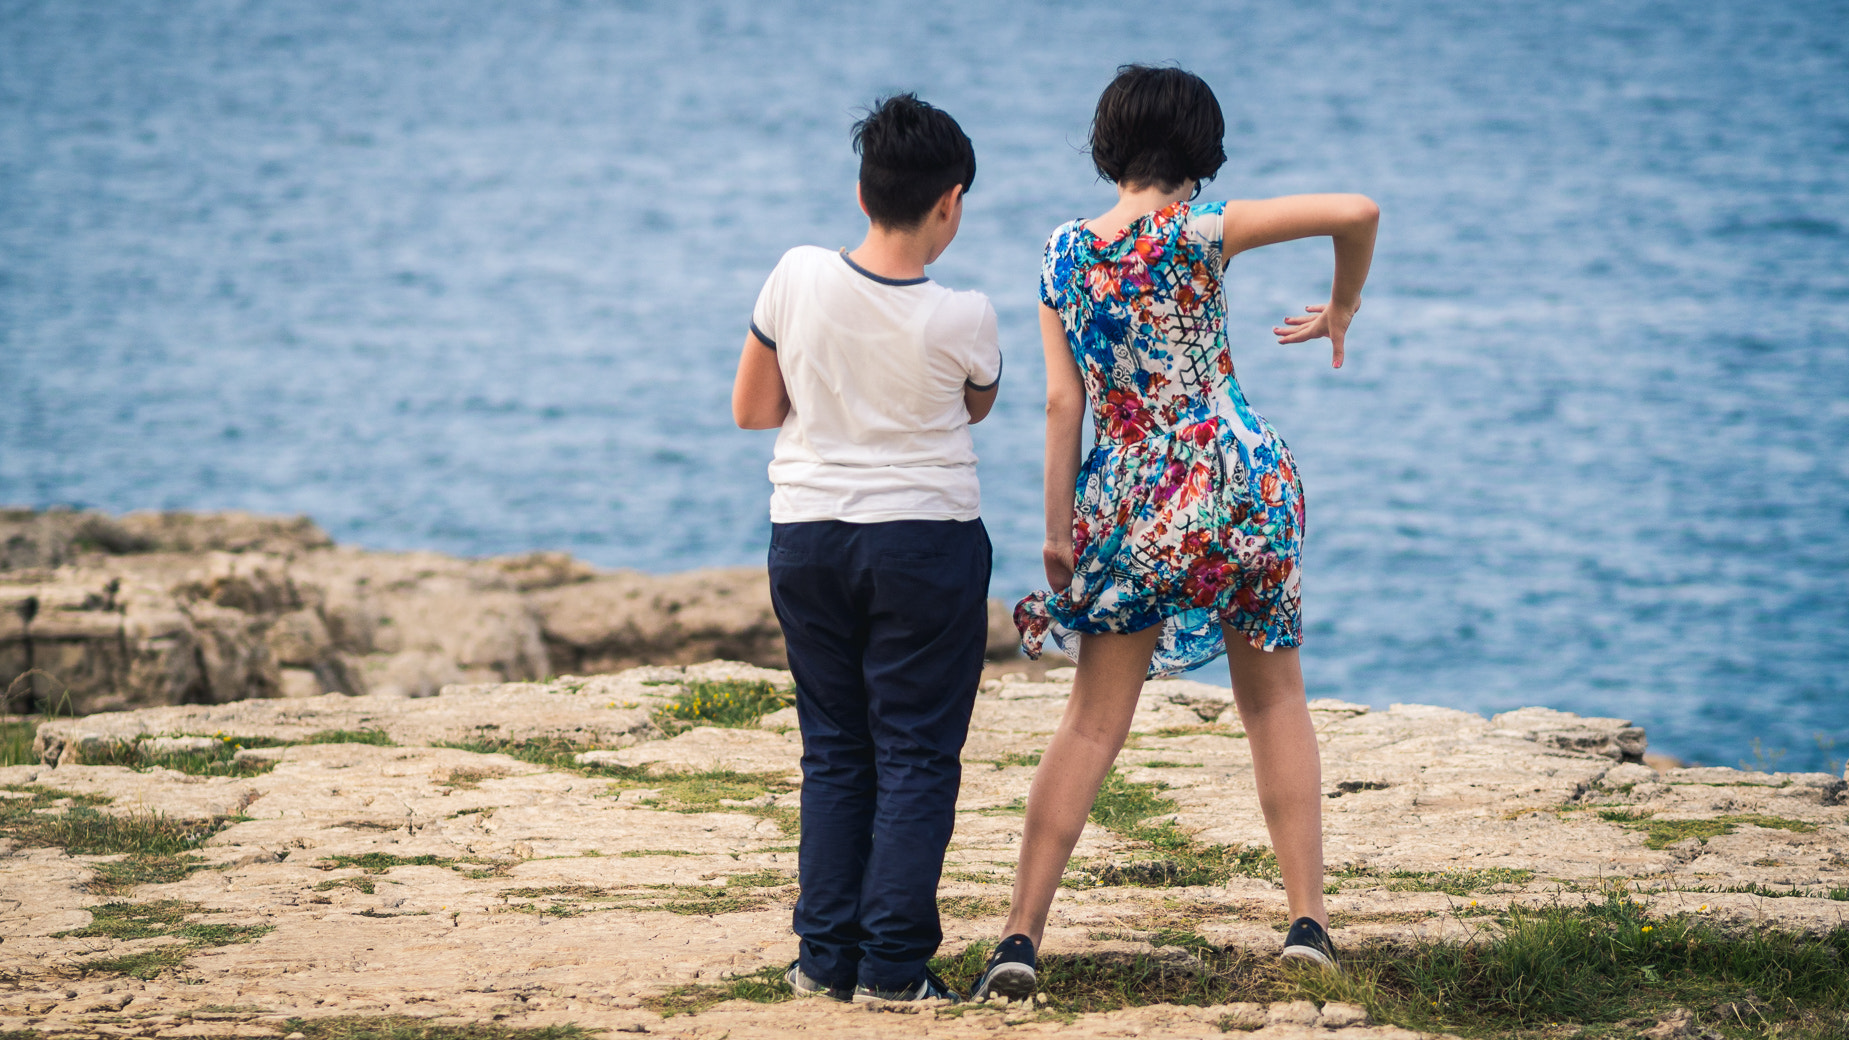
column 759, row 400
column 1065, row 414
column 1350, row 220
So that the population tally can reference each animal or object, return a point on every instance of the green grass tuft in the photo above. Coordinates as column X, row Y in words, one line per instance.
column 375, row 737
column 166, row 918
column 735, row 703
column 1173, row 857
column 764, row 986
column 1660, row 834
column 380, row 862
column 1017, row 758
column 75, row 825
column 401, row 1027
column 16, row 736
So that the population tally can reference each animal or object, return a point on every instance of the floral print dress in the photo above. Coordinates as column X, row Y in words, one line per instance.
column 1189, row 509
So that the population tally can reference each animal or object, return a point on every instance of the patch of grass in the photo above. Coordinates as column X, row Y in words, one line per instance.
column 1017, row 758
column 1217, row 729
column 375, row 737
column 16, row 736
column 121, row 877
column 711, row 791
column 638, row 853
column 161, row 919
column 1126, row 809
column 759, row 879
column 400, row 1027
column 1460, row 881
column 1754, row 888
column 707, row 906
column 764, row 986
column 1162, row 764
column 734, row 703
column 471, row 778
column 551, row 753
column 1541, row 972
column 75, row 825
column 1660, row 834
column 1594, row 964
column 380, row 862
column 358, row 884
column 971, row 906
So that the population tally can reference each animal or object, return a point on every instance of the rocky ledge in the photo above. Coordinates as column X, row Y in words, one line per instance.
column 582, row 851
column 179, row 608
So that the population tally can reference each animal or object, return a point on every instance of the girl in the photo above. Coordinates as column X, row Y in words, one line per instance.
column 1178, row 539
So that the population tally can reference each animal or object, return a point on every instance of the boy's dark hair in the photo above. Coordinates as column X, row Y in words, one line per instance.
column 910, row 155
column 1158, row 127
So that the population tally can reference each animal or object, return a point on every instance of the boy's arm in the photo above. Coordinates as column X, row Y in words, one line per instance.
column 979, row 402
column 1065, row 416
column 1350, row 220
column 980, row 387
column 759, row 400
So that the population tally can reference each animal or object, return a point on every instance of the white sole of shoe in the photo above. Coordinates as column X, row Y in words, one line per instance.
column 1307, row 953
column 1012, row 979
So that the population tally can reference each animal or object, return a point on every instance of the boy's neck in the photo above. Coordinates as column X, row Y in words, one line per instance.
column 899, row 255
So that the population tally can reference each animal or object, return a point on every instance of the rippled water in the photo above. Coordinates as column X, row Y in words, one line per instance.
column 473, row 276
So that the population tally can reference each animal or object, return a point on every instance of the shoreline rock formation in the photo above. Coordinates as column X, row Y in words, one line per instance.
column 149, row 609
column 542, row 853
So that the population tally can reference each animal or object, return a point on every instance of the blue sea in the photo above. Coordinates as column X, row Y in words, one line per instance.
column 473, row 277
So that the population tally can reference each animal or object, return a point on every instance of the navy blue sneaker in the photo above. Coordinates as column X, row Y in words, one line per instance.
column 1010, row 972
column 1307, row 941
column 928, row 988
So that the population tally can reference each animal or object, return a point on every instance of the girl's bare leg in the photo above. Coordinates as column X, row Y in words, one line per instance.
column 1268, row 689
column 1092, row 731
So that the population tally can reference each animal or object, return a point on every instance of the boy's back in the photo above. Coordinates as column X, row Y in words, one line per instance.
column 876, row 370
column 879, row 563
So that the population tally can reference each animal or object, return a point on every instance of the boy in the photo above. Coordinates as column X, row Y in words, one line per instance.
column 879, row 564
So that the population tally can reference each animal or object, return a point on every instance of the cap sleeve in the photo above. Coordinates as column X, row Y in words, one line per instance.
column 1207, row 225
column 1056, row 265
column 985, row 362
column 767, row 313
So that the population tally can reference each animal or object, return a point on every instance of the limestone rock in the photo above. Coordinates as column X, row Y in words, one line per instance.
column 628, row 618
column 1337, row 1015
column 1615, row 739
column 476, row 886
column 176, row 608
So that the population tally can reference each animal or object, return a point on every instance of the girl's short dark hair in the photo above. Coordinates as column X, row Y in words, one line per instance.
column 1158, row 127
column 911, row 153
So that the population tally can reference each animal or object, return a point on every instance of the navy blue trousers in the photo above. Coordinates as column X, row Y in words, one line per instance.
column 885, row 626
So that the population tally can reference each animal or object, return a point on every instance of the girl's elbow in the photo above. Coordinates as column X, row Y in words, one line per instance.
column 1363, row 211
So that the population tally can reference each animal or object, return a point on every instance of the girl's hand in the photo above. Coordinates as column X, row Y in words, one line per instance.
column 1325, row 319
column 1059, row 560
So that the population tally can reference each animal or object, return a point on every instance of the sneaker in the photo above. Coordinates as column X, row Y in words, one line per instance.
column 804, row 986
column 928, row 988
column 1308, row 941
column 1010, row 972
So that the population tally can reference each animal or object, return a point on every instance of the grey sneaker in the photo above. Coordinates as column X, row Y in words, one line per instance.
column 1010, row 971
column 928, row 988
column 804, row 986
column 1307, row 941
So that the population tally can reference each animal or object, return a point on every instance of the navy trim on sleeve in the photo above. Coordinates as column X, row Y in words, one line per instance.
column 759, row 333
column 993, row 383
column 880, row 278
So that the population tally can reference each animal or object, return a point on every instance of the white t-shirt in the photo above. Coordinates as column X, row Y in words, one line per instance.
column 875, row 369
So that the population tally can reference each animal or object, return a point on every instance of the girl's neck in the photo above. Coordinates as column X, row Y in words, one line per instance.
column 1136, row 202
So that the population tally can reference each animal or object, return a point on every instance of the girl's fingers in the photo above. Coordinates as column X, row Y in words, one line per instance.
column 1314, row 308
